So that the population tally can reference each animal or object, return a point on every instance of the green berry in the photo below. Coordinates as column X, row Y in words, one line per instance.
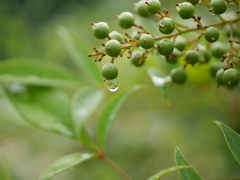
column 173, row 58
column 126, row 20
column 141, row 8
column 194, row 2
column 205, row 56
column 231, row 77
column 219, row 76
column 218, row 6
column 185, row 10
column 137, row 58
column 116, row 35
column 165, row 47
column 180, row 43
column 113, row 48
column 192, row 57
column 215, row 67
column 153, row 6
column 178, row 75
column 100, row 30
column 218, row 49
column 211, row 34
column 146, row 41
column 166, row 26
column 109, row 71
column 136, row 35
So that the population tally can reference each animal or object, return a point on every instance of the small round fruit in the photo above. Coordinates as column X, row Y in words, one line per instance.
column 146, row 41
column 100, row 30
column 136, row 35
column 185, row 10
column 166, row 26
column 113, row 48
column 215, row 67
column 178, row 75
column 180, row 43
column 231, row 77
column 137, row 58
column 173, row 58
column 153, row 6
column 141, row 8
column 165, row 47
column 219, row 76
column 194, row 2
column 126, row 20
column 116, row 35
column 218, row 49
column 218, row 6
column 192, row 57
column 109, row 71
column 205, row 56
column 211, row 34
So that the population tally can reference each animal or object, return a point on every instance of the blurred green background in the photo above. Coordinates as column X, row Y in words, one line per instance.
column 146, row 130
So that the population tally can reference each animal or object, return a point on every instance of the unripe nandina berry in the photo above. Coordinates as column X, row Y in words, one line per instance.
column 100, row 30
column 231, row 77
column 153, row 6
column 211, row 34
column 185, row 10
column 138, row 58
column 218, row 49
column 126, row 20
column 180, row 43
column 109, row 71
column 141, row 8
column 165, row 47
column 194, row 2
column 113, row 48
column 166, row 26
column 178, row 75
column 116, row 35
column 192, row 57
column 218, row 6
column 146, row 41
column 219, row 76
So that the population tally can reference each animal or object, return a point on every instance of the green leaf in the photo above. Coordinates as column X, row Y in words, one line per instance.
column 109, row 112
column 160, row 81
column 79, row 48
column 5, row 173
column 164, row 172
column 65, row 163
column 84, row 102
column 185, row 174
column 36, row 72
column 232, row 138
column 44, row 107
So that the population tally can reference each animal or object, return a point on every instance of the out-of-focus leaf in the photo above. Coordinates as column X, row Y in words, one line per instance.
column 232, row 138
column 78, row 48
column 84, row 102
column 109, row 112
column 65, row 163
column 164, row 172
column 44, row 107
column 5, row 173
column 159, row 80
column 36, row 72
column 185, row 174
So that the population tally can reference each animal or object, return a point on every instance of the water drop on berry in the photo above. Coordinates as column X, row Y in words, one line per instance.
column 112, row 85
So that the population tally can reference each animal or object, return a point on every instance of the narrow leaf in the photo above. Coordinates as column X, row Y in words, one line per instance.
column 44, row 107
column 36, row 72
column 185, row 174
column 232, row 138
column 164, row 172
column 160, row 81
column 109, row 112
column 78, row 48
column 65, row 163
column 5, row 173
column 84, row 102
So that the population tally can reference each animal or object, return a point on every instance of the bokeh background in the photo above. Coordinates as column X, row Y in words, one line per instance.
column 146, row 131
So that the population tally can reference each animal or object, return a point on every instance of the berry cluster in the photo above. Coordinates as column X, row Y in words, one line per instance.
column 171, row 44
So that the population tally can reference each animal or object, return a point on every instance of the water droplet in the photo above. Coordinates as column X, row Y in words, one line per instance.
column 112, row 85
